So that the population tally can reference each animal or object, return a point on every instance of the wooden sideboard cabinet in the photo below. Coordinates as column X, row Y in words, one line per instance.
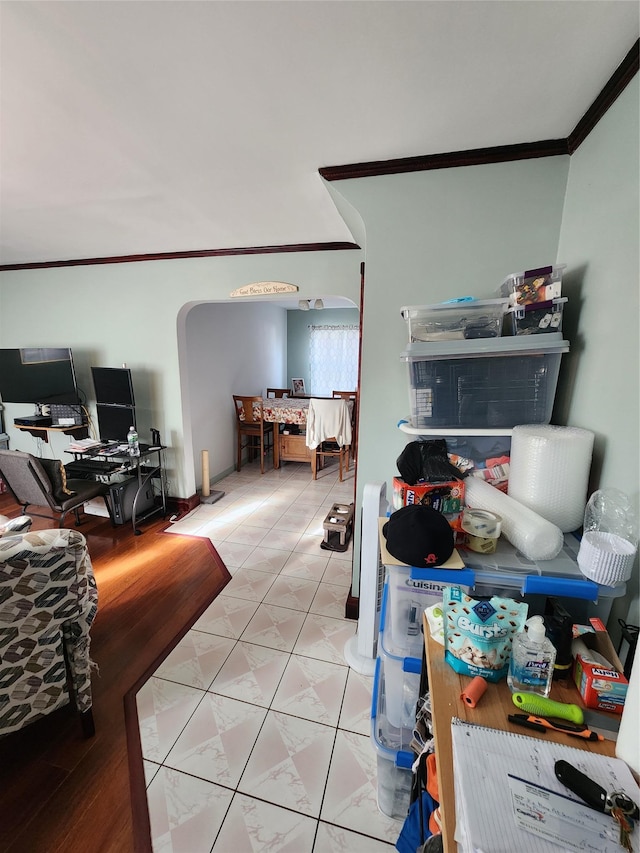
column 293, row 448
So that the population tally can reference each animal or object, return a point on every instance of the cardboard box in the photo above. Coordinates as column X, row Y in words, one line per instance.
column 600, row 688
column 447, row 498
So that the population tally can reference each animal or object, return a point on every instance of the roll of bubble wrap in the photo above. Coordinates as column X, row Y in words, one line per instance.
column 550, row 472
column 537, row 538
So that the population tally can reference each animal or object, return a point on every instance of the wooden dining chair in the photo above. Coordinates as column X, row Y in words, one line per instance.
column 328, row 432
column 278, row 392
column 251, row 426
column 351, row 395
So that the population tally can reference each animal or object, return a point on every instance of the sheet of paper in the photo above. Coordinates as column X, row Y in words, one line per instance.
column 567, row 822
column 483, row 760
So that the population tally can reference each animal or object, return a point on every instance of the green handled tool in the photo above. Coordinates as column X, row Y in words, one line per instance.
column 541, row 707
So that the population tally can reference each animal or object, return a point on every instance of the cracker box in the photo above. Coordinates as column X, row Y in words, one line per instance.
column 599, row 687
column 447, row 498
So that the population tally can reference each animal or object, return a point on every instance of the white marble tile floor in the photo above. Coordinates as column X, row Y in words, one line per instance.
column 254, row 731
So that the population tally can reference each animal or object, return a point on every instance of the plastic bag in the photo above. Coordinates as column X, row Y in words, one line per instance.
column 427, row 461
column 609, row 540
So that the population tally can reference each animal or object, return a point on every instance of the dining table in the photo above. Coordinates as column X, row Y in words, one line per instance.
column 287, row 446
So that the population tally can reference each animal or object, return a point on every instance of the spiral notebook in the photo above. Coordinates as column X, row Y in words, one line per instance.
column 508, row 797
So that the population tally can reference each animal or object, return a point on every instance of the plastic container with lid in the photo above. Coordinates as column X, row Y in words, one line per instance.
column 538, row 318
column 530, row 286
column 496, row 383
column 456, row 320
column 394, row 774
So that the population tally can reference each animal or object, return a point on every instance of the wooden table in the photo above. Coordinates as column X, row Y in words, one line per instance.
column 445, row 687
column 287, row 410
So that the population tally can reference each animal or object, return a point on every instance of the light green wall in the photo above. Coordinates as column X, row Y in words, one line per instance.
column 599, row 241
column 128, row 313
column 433, row 236
column 298, row 323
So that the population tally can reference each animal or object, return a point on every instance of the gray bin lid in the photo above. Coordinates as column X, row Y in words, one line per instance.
column 548, row 344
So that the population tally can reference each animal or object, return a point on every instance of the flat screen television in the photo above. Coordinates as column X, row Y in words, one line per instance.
column 38, row 375
column 114, row 422
column 113, row 385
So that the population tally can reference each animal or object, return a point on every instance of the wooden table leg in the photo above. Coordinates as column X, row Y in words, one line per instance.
column 276, row 445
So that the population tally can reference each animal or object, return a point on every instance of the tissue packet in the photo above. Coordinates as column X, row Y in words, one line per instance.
column 478, row 633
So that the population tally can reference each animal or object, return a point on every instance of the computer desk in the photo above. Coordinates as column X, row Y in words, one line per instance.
column 445, row 687
column 144, row 467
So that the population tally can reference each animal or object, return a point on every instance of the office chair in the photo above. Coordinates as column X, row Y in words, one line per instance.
column 31, row 485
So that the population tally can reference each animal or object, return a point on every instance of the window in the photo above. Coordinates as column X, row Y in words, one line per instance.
column 333, row 359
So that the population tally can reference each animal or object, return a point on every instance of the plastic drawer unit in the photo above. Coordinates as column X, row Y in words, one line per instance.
column 394, row 775
column 483, row 384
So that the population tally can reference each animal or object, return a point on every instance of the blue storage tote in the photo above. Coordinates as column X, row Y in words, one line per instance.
column 394, row 775
column 410, row 591
column 401, row 674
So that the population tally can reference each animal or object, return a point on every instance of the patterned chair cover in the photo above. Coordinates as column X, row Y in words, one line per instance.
column 48, row 601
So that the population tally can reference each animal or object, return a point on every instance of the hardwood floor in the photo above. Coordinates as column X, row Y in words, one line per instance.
column 59, row 791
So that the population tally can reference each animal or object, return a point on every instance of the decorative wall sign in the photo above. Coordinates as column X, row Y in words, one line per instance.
column 264, row 288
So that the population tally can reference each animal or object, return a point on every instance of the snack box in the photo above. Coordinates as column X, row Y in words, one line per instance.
column 539, row 285
column 464, row 319
column 446, row 497
column 538, row 318
column 599, row 687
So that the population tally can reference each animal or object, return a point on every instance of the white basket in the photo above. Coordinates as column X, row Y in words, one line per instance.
column 606, row 558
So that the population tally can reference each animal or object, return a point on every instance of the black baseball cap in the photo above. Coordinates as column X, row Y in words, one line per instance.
column 419, row 536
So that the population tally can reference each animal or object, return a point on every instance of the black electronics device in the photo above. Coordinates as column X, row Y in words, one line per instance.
column 121, row 497
column 114, row 422
column 34, row 421
column 37, row 375
column 113, row 385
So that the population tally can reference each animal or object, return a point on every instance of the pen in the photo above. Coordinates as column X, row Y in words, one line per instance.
column 540, row 724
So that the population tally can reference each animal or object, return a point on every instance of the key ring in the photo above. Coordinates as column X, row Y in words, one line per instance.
column 623, row 802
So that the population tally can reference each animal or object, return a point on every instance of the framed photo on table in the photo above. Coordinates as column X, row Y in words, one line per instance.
column 297, row 386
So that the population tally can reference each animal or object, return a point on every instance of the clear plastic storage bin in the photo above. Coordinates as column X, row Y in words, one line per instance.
column 539, row 285
column 455, row 321
column 537, row 319
column 393, row 763
column 497, row 383
column 408, row 591
column 401, row 677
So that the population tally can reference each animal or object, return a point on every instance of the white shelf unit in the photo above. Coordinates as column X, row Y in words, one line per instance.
column 405, row 426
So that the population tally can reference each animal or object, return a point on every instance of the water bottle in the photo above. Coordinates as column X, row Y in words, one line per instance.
column 132, row 442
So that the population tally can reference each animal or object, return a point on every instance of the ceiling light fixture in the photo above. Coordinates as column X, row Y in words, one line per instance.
column 304, row 304
column 318, row 304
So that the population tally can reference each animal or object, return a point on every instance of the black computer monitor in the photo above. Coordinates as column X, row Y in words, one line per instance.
column 113, row 385
column 114, row 422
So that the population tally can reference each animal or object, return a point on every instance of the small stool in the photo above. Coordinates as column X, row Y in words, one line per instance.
column 339, row 520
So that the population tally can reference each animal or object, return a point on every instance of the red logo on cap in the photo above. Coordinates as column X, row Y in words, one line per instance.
column 431, row 559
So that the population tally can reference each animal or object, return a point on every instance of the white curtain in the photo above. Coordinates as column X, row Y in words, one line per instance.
column 333, row 359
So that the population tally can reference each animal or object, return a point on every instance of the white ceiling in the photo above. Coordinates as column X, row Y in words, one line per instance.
column 143, row 127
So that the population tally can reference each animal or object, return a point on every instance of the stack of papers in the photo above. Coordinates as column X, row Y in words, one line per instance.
column 80, row 445
column 508, row 797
